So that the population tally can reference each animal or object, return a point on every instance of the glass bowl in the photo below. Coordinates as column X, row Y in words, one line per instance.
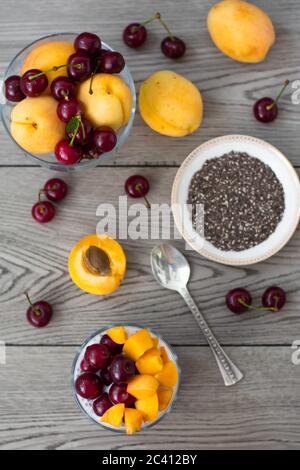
column 86, row 406
column 48, row 160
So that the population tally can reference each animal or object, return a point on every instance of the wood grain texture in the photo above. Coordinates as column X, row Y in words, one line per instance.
column 34, row 257
column 229, row 88
column 36, row 406
column 261, row 412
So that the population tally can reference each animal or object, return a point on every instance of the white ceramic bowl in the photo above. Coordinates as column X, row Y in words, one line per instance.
column 267, row 154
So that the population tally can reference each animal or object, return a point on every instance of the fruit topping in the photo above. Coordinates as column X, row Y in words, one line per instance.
column 97, row 355
column 114, row 347
column 88, row 385
column 114, row 415
column 79, row 66
column 148, row 407
column 117, row 334
column 105, row 139
column 102, row 404
column 39, row 313
column 133, row 420
column 86, row 367
column 66, row 153
column 111, row 62
column 67, row 109
column 88, row 43
column 121, row 369
column 33, row 82
column 137, row 344
column 142, row 386
column 105, row 376
column 62, row 88
column 150, row 362
column 118, row 394
column 164, row 396
column 168, row 376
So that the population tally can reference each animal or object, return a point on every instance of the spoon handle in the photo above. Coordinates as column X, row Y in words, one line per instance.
column 230, row 373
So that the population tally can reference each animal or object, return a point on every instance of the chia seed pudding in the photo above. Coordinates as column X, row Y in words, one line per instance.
column 243, row 201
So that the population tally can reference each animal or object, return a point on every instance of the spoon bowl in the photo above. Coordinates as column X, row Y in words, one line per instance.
column 170, row 268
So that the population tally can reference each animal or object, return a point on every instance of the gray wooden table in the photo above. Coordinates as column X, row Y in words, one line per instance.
column 36, row 405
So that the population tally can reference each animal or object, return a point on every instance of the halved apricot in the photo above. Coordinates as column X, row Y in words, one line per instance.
column 164, row 397
column 168, row 376
column 150, row 362
column 148, row 407
column 117, row 334
column 155, row 341
column 137, row 344
column 133, row 420
column 142, row 386
column 114, row 415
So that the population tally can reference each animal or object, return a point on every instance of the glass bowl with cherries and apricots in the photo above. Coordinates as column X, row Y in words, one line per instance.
column 68, row 101
column 125, row 378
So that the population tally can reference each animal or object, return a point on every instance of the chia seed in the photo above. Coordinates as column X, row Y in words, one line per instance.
column 243, row 201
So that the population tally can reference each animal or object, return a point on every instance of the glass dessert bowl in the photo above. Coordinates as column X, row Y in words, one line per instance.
column 48, row 159
column 137, row 382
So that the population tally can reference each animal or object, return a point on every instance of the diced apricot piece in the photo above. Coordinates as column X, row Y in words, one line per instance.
column 137, row 344
column 150, row 362
column 117, row 334
column 168, row 376
column 142, row 386
column 155, row 341
column 164, row 397
column 148, row 407
column 114, row 415
column 164, row 354
column 133, row 420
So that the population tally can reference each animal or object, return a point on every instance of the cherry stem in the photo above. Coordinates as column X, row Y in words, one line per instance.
column 164, row 24
column 270, row 106
column 149, row 20
column 41, row 191
column 36, row 310
column 76, row 129
column 92, row 77
column 138, row 187
column 54, row 69
column 251, row 307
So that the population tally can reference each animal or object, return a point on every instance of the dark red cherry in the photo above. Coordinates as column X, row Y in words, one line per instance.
column 134, row 35
column 121, row 369
column 114, row 348
column 173, row 47
column 66, row 109
column 118, row 394
column 86, row 367
column 112, row 62
column 79, row 66
column 33, row 82
column 39, row 313
column 88, row 42
column 238, row 300
column 105, row 376
column 102, row 404
column 62, row 88
column 97, row 355
column 90, row 151
column 137, row 186
column 84, row 133
column 43, row 211
column 265, row 110
column 55, row 189
column 274, row 298
column 105, row 139
column 66, row 153
column 12, row 89
column 88, row 385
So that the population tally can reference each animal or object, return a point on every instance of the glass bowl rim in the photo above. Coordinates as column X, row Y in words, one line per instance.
column 175, row 394
column 56, row 165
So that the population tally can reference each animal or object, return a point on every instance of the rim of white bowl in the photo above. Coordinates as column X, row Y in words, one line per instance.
column 194, row 155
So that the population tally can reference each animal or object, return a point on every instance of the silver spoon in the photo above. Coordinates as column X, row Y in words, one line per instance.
column 171, row 269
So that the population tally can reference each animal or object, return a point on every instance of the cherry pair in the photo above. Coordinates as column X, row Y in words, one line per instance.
column 54, row 190
column 239, row 300
column 135, row 34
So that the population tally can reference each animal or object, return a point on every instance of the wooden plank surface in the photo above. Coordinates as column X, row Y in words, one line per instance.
column 229, row 88
column 261, row 412
column 34, row 258
column 36, row 406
